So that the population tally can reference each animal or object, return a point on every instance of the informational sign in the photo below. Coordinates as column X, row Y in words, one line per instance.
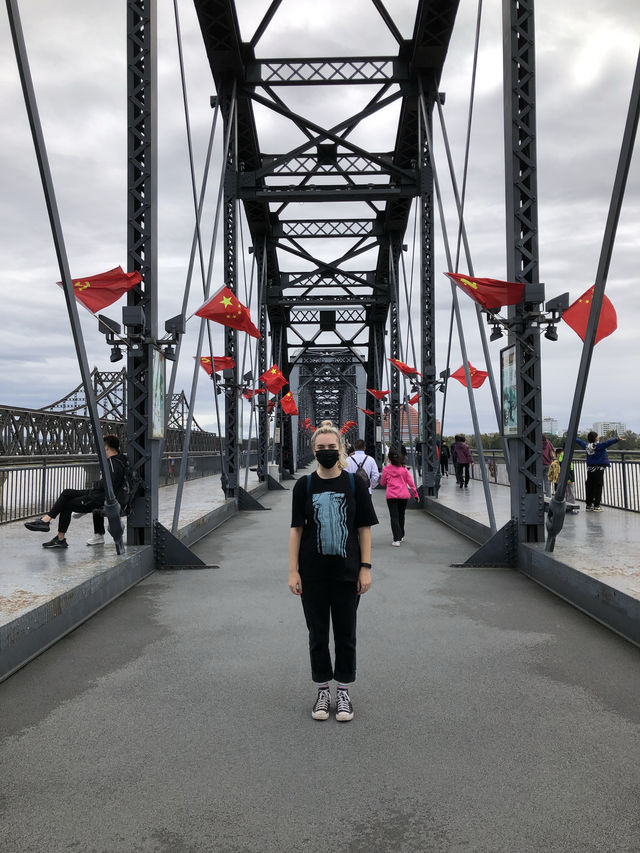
column 158, row 395
column 509, row 391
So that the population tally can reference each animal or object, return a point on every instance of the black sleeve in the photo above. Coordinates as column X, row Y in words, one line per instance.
column 298, row 503
column 365, row 513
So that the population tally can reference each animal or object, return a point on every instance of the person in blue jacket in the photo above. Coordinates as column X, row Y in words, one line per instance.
column 597, row 463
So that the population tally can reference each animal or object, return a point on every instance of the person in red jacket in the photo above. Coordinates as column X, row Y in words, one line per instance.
column 399, row 484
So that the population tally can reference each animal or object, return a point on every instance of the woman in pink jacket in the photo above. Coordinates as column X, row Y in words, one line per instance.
column 400, row 485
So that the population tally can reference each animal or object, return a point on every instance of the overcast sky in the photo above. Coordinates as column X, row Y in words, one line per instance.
column 586, row 55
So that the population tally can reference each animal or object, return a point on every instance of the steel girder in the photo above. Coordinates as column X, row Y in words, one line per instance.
column 395, row 178
column 143, row 451
column 527, row 499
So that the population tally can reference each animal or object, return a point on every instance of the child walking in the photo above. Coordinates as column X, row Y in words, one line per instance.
column 330, row 565
column 399, row 484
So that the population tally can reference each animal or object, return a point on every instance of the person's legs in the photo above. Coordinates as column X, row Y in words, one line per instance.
column 569, row 494
column 316, row 604
column 598, row 483
column 402, row 507
column 589, row 488
column 545, row 480
column 344, row 606
column 392, row 503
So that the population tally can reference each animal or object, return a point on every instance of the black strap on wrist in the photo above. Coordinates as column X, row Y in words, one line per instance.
column 365, row 565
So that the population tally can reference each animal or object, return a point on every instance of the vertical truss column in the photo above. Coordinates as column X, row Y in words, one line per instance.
column 263, row 417
column 144, row 452
column 527, row 500
column 428, row 421
column 395, row 247
column 230, row 212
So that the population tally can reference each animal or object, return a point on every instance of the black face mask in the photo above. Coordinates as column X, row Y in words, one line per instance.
column 327, row 458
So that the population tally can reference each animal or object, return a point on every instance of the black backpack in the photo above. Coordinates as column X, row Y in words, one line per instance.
column 129, row 489
column 361, row 474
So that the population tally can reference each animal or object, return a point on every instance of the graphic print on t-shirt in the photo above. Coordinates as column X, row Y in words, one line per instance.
column 330, row 516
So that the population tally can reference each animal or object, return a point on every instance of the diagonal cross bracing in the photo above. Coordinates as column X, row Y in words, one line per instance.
column 326, row 170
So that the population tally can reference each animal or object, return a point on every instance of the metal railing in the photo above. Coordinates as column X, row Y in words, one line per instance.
column 30, row 488
column 621, row 480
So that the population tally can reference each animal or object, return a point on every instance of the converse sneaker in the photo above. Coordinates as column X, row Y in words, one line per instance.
column 96, row 539
column 598, row 509
column 55, row 543
column 344, row 708
column 320, row 710
column 397, row 544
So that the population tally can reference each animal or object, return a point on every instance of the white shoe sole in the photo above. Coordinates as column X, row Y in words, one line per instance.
column 396, row 544
column 344, row 716
column 320, row 715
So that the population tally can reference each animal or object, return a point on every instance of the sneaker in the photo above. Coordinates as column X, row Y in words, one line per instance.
column 320, row 710
column 396, row 544
column 77, row 515
column 96, row 539
column 588, row 509
column 55, row 543
column 598, row 509
column 39, row 526
column 344, row 708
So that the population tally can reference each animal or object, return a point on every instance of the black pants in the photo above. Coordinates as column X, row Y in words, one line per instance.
column 444, row 466
column 462, row 473
column 593, row 487
column 397, row 509
column 332, row 601
column 73, row 500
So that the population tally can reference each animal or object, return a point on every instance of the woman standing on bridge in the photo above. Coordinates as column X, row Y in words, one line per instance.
column 330, row 565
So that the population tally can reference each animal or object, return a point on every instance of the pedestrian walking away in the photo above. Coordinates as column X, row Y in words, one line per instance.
column 84, row 500
column 444, row 459
column 330, row 565
column 400, row 486
column 363, row 466
column 462, row 458
column 597, row 464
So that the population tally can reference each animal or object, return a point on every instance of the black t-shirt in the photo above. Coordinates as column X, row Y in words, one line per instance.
column 331, row 513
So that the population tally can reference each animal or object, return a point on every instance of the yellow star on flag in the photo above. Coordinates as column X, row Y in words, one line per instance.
column 226, row 301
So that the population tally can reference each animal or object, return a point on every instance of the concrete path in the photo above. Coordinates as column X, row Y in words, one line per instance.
column 490, row 716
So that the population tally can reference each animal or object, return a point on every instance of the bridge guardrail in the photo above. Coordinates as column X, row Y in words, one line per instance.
column 28, row 489
column 621, row 481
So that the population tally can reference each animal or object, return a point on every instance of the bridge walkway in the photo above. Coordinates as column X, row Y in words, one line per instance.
column 490, row 715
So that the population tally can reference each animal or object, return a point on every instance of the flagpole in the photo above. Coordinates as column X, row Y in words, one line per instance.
column 112, row 508
column 556, row 514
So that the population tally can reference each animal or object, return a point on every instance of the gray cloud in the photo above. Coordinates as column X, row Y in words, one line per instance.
column 586, row 57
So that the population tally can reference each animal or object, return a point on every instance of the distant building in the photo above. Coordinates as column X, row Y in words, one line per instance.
column 408, row 431
column 604, row 427
column 550, row 426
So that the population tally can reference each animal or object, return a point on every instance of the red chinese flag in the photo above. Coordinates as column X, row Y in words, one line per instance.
column 251, row 392
column 379, row 395
column 273, row 379
column 313, row 429
column 226, row 308
column 307, row 423
column 577, row 316
column 404, row 368
column 271, row 405
column 205, row 364
column 366, row 411
column 289, row 404
column 414, row 399
column 477, row 376
column 489, row 292
column 223, row 362
column 96, row 292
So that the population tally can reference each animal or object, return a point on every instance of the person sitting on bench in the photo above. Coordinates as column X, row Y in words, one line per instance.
column 82, row 500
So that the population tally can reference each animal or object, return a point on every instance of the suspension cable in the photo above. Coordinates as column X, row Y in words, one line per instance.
column 472, row 404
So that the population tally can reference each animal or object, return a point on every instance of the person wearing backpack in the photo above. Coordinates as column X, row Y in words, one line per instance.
column 364, row 467
column 330, row 565
column 82, row 500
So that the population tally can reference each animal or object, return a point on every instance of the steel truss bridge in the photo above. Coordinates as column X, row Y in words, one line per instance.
column 333, row 323
column 64, row 427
